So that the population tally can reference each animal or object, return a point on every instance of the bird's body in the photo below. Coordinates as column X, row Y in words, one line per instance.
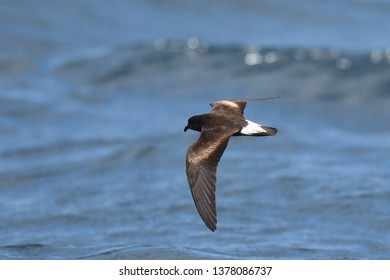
column 226, row 119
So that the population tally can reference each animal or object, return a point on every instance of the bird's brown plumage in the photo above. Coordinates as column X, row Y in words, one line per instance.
column 225, row 120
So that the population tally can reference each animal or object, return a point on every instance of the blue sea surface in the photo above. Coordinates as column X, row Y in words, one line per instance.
column 94, row 96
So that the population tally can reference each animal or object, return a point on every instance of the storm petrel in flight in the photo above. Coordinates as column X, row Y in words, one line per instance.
column 226, row 119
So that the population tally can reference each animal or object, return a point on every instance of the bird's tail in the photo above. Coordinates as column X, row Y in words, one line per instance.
column 254, row 129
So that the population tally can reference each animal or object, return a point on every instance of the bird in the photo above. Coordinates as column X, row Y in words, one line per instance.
column 226, row 119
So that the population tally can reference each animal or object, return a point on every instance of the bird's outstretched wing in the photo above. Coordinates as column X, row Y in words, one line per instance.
column 201, row 166
column 236, row 106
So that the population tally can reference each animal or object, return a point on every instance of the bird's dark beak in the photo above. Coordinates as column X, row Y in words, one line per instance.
column 186, row 128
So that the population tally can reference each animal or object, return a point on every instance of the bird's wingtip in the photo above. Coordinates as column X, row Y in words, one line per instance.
column 212, row 227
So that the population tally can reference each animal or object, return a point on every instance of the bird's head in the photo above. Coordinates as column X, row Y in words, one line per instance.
column 194, row 123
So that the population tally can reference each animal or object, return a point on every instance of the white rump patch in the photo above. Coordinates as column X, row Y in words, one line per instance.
column 252, row 128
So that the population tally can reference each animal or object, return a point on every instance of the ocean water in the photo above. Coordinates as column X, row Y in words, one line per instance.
column 94, row 96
